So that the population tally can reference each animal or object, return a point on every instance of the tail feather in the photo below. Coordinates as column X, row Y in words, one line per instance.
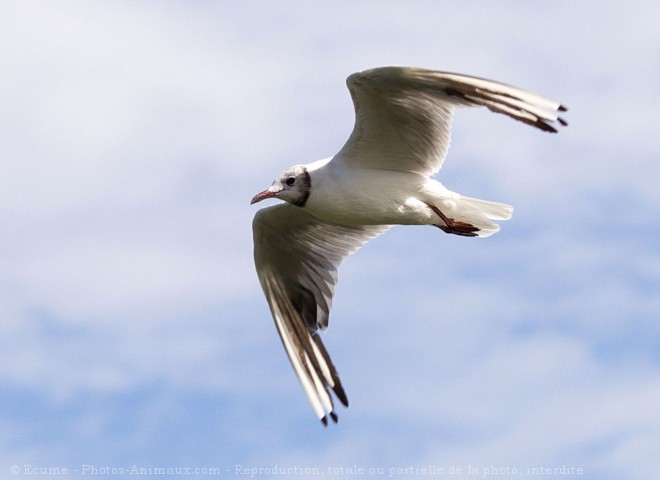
column 492, row 210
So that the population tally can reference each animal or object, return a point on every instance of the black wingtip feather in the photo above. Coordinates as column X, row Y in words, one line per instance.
column 338, row 389
column 341, row 394
column 333, row 416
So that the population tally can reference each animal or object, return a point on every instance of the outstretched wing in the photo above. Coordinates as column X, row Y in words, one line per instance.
column 403, row 115
column 296, row 256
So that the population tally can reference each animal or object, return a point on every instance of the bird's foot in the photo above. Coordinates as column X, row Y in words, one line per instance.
column 460, row 228
column 456, row 227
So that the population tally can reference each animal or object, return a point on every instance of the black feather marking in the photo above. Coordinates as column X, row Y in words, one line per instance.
column 338, row 389
column 306, row 188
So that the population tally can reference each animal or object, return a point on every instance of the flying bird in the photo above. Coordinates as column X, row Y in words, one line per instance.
column 380, row 178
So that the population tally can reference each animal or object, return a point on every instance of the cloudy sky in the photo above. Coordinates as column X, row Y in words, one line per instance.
column 134, row 134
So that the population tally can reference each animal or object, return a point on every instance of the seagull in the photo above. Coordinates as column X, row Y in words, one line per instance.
column 380, row 178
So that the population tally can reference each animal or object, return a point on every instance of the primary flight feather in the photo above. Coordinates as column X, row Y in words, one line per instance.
column 380, row 178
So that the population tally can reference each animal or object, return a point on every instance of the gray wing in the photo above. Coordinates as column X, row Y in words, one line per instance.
column 403, row 115
column 296, row 256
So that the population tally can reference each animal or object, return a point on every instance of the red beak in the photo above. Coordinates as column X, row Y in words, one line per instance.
column 263, row 196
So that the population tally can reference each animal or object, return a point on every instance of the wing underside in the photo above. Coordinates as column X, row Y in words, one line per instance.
column 297, row 256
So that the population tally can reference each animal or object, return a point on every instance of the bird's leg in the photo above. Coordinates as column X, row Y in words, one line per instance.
column 456, row 227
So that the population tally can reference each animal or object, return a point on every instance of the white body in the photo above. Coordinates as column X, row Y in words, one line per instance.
column 367, row 196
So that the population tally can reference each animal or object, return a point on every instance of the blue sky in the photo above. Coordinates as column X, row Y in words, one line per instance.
column 134, row 135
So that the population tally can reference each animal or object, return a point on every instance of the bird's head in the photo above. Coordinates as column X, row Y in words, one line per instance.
column 292, row 185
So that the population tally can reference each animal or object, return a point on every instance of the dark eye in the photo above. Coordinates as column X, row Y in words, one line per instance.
column 290, row 181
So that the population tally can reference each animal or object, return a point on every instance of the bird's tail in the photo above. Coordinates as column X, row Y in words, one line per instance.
column 472, row 217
